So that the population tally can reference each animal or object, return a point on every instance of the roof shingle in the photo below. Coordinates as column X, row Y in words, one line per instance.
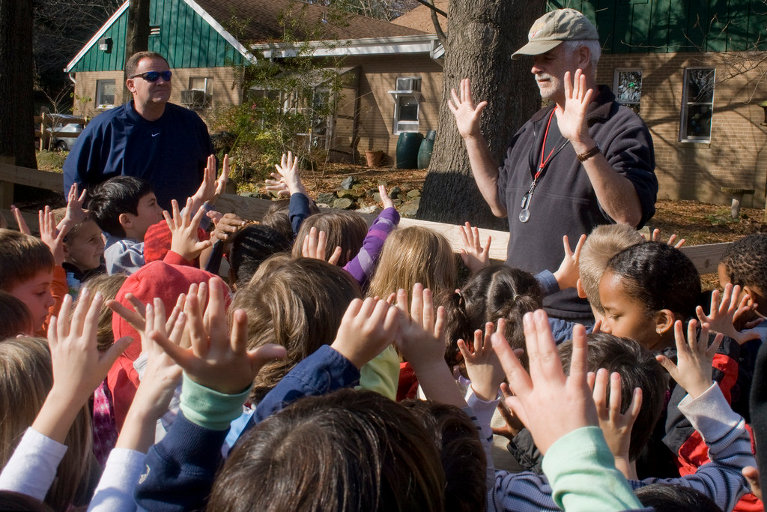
column 262, row 21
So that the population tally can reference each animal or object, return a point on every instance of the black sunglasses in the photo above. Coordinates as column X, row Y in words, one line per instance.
column 153, row 76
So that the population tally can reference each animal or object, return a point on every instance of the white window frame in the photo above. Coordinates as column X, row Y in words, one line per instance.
column 683, row 136
column 616, row 82
column 413, row 92
column 100, row 92
column 205, row 87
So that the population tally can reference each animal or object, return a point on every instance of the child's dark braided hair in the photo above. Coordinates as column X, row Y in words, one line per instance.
column 497, row 291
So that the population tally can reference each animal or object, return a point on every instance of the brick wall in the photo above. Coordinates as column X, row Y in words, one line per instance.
column 378, row 76
column 737, row 153
column 221, row 88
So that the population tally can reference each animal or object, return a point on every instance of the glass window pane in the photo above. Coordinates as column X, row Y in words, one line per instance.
column 700, row 85
column 408, row 108
column 699, row 121
column 105, row 92
column 197, row 83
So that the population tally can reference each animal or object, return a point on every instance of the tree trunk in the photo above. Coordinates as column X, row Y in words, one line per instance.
column 482, row 35
column 137, row 36
column 17, row 130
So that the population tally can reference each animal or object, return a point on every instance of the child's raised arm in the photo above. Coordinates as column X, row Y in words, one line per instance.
column 162, row 375
column 420, row 343
column 616, row 426
column 482, row 364
column 560, row 413
column 364, row 264
column 78, row 368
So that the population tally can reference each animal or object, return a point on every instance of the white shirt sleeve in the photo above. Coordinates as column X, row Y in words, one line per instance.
column 32, row 467
column 121, row 473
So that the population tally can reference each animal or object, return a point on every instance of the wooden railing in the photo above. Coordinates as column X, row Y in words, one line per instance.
column 44, row 132
column 705, row 257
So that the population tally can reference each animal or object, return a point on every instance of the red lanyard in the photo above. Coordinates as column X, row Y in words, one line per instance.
column 545, row 161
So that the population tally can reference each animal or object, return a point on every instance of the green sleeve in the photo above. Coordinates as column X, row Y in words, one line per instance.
column 208, row 408
column 381, row 374
column 582, row 474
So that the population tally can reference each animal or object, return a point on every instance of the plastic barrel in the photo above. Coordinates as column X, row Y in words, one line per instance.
column 407, row 150
column 424, row 152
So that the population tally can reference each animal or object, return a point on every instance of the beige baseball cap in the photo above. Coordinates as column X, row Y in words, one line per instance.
column 551, row 29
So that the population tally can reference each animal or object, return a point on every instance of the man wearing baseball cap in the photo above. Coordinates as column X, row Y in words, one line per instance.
column 581, row 161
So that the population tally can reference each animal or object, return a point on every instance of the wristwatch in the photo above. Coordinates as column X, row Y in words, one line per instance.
column 582, row 157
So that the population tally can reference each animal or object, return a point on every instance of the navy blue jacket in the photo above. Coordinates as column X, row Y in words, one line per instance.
column 169, row 153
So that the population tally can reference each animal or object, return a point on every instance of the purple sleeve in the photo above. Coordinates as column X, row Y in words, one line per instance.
column 364, row 264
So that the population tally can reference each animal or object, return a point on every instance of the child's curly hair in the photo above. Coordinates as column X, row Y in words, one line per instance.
column 745, row 261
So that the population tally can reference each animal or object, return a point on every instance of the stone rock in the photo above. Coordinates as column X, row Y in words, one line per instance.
column 343, row 203
column 347, row 183
column 348, row 194
column 414, row 193
column 394, row 192
column 326, row 198
column 368, row 209
column 410, row 208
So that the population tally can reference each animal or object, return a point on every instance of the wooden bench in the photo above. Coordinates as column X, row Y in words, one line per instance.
column 705, row 257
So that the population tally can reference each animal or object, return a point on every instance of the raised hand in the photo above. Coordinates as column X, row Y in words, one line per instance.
column 420, row 335
column 549, row 404
column 385, row 199
column 218, row 359
column 672, row 240
column 616, row 425
column 75, row 212
column 314, row 246
column 78, row 366
column 222, row 180
column 482, row 364
column 420, row 342
column 572, row 120
column 474, row 256
column 694, row 356
column 366, row 329
column 722, row 314
column 183, row 228
column 466, row 113
column 20, row 222
column 50, row 235
column 226, row 226
column 752, row 475
column 567, row 274
column 287, row 179
column 137, row 317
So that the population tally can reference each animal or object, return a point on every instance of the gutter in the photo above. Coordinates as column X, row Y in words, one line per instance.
column 395, row 45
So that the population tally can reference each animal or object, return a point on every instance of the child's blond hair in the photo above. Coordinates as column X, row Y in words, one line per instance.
column 60, row 213
column 414, row 255
column 603, row 243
